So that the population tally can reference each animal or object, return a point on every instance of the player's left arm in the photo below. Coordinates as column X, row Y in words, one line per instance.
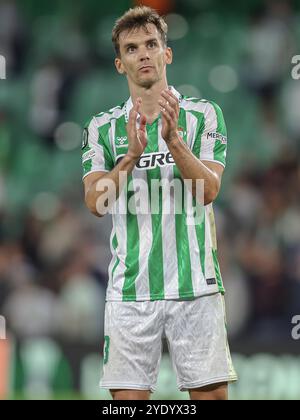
column 190, row 166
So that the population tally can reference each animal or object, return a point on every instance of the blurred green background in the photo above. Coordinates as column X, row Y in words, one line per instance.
column 54, row 255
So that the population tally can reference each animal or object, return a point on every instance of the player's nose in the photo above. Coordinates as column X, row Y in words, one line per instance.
column 144, row 54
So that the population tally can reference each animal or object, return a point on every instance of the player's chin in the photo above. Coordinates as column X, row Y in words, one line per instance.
column 147, row 82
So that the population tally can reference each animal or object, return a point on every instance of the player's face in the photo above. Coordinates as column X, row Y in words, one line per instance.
column 143, row 56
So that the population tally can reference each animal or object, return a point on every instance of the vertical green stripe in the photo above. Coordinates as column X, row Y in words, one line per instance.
column 220, row 119
column 106, row 349
column 218, row 272
column 115, row 241
column 156, row 264
column 200, row 233
column 220, row 148
column 115, row 246
column 133, row 239
column 200, row 228
column 132, row 252
column 199, row 131
column 185, row 284
column 182, row 123
column 198, row 136
column 104, row 142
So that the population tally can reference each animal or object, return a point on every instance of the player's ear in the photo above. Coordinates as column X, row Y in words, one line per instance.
column 169, row 55
column 119, row 66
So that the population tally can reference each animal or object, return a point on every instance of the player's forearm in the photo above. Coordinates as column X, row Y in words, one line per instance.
column 107, row 189
column 193, row 169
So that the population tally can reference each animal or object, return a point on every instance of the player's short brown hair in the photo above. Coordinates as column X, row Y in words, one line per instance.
column 138, row 17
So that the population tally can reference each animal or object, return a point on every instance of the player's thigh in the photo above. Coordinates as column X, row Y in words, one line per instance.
column 214, row 392
column 129, row 394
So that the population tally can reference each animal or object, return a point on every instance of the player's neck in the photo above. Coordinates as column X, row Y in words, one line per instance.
column 150, row 106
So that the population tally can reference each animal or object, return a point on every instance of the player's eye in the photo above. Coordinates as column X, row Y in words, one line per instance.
column 152, row 44
column 131, row 48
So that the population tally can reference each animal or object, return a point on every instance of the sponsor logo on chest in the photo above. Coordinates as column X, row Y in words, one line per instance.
column 152, row 160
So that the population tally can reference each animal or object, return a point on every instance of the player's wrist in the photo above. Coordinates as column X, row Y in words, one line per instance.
column 133, row 157
column 173, row 138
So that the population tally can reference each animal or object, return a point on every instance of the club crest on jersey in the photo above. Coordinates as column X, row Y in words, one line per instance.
column 152, row 160
column 181, row 132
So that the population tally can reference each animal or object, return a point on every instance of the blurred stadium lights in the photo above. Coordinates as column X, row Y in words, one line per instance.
column 45, row 206
column 223, row 78
column 68, row 136
column 177, row 26
column 290, row 99
column 103, row 36
column 206, row 25
column 44, row 111
column 2, row 192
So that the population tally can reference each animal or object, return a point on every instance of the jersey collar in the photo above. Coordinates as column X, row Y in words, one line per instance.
column 129, row 104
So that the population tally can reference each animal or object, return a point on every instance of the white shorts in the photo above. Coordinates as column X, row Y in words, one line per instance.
column 196, row 335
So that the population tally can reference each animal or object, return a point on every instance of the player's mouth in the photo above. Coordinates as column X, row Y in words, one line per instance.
column 145, row 68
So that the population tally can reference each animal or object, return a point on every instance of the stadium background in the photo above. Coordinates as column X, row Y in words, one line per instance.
column 54, row 254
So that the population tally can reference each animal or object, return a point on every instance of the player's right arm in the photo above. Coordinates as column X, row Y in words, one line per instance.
column 104, row 187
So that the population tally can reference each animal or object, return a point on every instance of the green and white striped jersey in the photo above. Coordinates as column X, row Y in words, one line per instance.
column 159, row 256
